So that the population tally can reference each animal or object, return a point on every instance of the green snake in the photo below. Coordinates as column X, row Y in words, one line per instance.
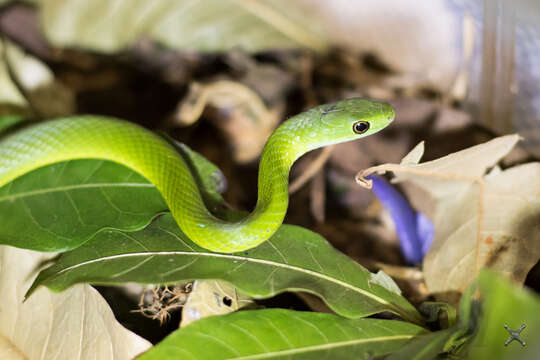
column 98, row 137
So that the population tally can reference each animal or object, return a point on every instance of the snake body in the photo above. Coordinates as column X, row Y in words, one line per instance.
column 97, row 137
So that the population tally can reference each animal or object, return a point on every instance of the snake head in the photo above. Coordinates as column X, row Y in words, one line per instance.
column 329, row 124
column 341, row 121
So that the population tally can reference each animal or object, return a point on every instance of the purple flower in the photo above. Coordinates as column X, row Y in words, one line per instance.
column 414, row 230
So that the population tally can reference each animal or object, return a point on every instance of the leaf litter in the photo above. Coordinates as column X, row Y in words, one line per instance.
column 211, row 298
column 158, row 302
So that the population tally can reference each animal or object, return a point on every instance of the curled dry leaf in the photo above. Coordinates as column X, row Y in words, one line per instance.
column 241, row 115
column 221, row 93
column 347, row 158
column 77, row 324
column 481, row 220
column 212, row 297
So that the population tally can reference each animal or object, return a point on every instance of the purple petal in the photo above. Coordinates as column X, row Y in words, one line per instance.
column 414, row 231
column 425, row 230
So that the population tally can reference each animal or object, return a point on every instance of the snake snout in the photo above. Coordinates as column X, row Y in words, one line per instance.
column 389, row 113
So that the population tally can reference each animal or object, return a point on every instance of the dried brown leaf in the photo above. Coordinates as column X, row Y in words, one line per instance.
column 77, row 323
column 8, row 351
column 480, row 220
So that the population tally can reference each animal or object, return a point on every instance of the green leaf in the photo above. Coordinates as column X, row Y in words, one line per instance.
column 505, row 304
column 449, row 341
column 212, row 25
column 93, row 203
column 485, row 308
column 294, row 259
column 425, row 347
column 284, row 334
column 59, row 207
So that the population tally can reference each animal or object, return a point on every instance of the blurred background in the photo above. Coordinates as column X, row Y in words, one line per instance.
column 221, row 75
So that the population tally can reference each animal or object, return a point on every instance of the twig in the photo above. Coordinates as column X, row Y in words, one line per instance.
column 318, row 197
column 312, row 169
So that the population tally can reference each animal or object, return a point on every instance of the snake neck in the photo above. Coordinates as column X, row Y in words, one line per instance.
column 273, row 180
column 280, row 152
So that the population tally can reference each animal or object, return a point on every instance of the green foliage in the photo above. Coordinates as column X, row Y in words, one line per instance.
column 280, row 334
column 106, row 208
column 424, row 347
column 294, row 259
column 59, row 207
column 503, row 304
column 117, row 228
column 489, row 304
column 447, row 341
column 89, row 196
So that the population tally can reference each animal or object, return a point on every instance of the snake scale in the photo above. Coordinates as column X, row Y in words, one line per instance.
column 98, row 137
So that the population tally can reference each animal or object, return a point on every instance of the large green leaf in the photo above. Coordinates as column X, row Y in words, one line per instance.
column 108, row 206
column 505, row 304
column 424, row 347
column 210, row 25
column 448, row 341
column 485, row 308
column 284, row 334
column 294, row 259
column 58, row 207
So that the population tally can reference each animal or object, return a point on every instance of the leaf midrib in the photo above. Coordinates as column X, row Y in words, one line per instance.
column 234, row 257
column 13, row 197
column 327, row 346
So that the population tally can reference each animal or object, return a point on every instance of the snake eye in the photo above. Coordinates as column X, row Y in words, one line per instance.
column 360, row 127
